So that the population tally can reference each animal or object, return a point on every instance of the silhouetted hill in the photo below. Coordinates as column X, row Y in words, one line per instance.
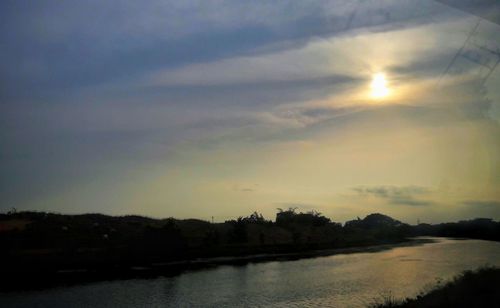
column 374, row 221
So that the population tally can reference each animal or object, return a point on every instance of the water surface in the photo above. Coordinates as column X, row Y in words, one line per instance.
column 344, row 280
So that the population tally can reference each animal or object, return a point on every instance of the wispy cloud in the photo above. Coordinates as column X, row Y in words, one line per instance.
column 485, row 208
column 245, row 188
column 174, row 96
column 398, row 195
column 483, row 204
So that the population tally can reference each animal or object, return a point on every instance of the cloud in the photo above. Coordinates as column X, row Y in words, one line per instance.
column 411, row 202
column 157, row 85
column 485, row 208
column 348, row 56
column 245, row 188
column 488, row 9
column 387, row 191
column 398, row 195
column 482, row 204
column 127, row 40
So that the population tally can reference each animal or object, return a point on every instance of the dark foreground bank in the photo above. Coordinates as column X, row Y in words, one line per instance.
column 479, row 288
column 42, row 278
column 45, row 249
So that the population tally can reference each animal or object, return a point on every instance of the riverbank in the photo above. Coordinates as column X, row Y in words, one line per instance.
column 480, row 288
column 342, row 280
column 46, row 249
column 76, row 276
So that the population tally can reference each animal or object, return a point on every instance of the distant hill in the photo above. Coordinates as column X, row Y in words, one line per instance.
column 374, row 221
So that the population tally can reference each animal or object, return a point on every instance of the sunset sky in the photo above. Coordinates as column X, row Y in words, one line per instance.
column 222, row 108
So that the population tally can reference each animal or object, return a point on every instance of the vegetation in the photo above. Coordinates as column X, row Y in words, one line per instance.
column 479, row 288
column 39, row 245
column 479, row 228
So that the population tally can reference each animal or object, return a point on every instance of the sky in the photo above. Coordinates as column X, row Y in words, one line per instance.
column 220, row 108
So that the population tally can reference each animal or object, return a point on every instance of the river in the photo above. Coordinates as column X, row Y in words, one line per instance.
column 342, row 280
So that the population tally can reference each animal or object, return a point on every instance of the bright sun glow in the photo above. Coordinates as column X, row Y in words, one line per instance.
column 379, row 86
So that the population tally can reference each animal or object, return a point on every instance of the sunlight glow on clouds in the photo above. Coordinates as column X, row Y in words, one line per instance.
column 164, row 110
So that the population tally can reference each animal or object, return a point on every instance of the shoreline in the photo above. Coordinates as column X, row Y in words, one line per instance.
column 25, row 282
column 471, row 288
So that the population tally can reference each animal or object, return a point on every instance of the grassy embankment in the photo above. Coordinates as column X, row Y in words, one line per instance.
column 480, row 288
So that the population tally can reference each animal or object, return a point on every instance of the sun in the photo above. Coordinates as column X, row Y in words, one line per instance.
column 379, row 86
